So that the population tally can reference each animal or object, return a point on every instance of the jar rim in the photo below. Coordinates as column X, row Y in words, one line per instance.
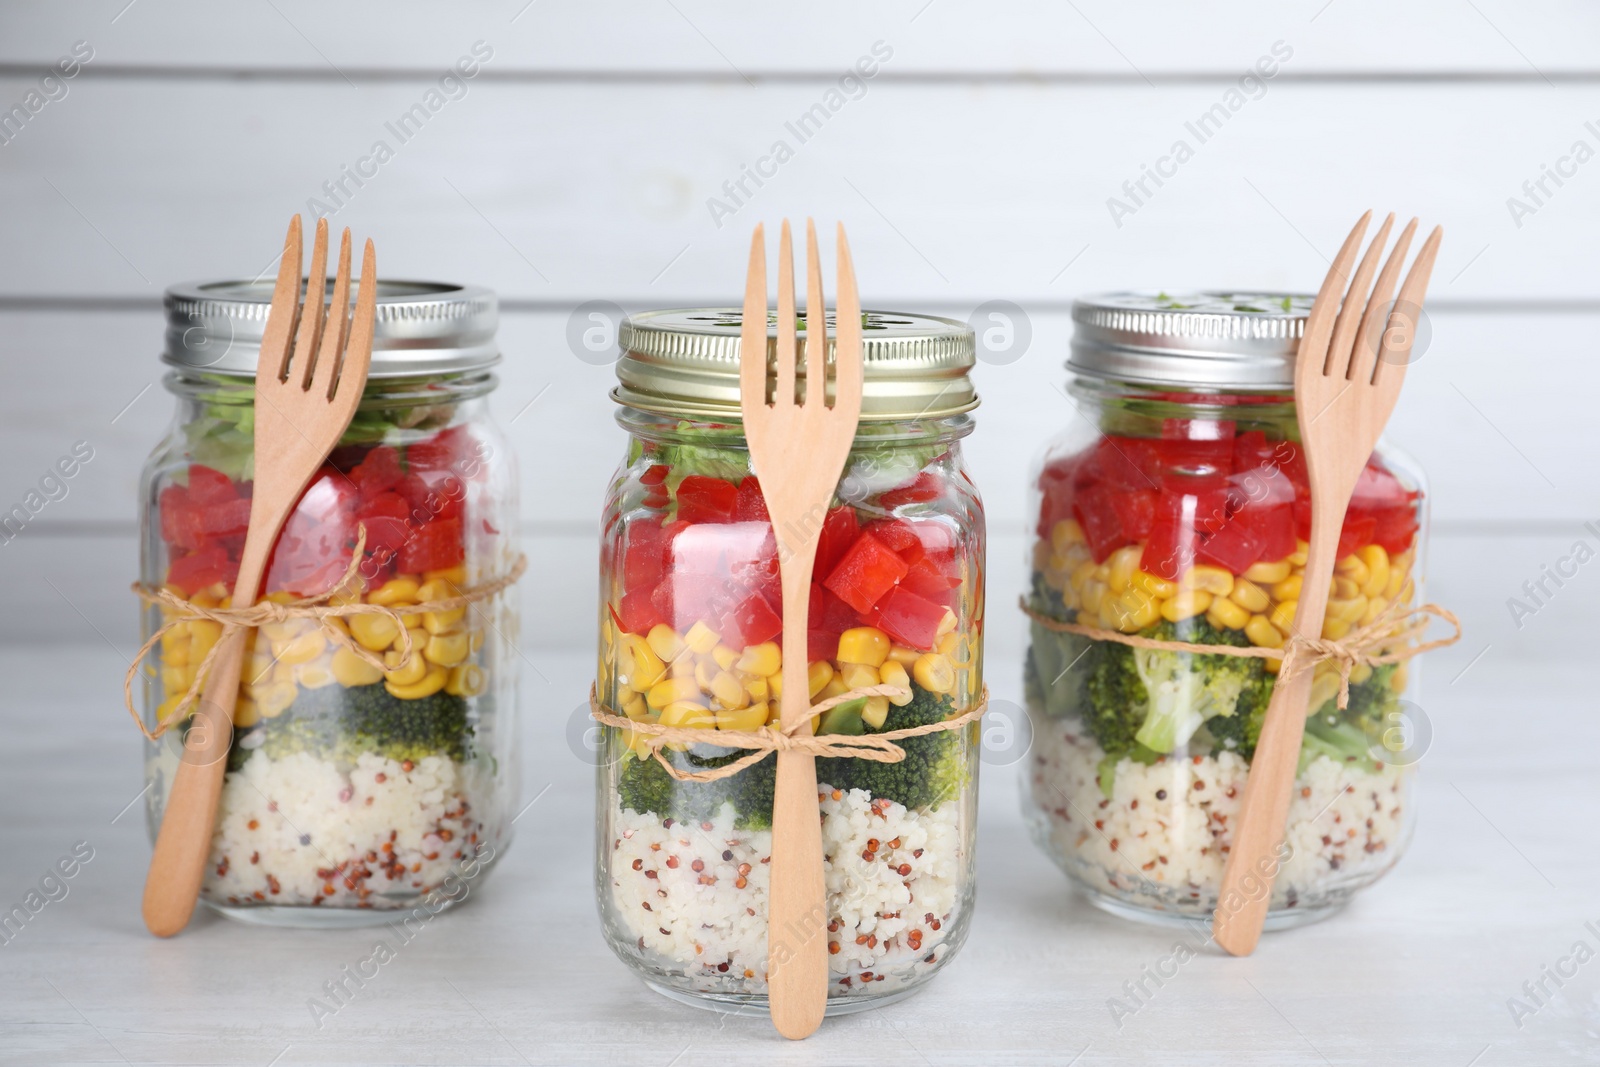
column 421, row 329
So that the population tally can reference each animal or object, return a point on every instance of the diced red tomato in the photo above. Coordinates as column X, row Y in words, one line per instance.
column 637, row 612
column 1394, row 528
column 1233, row 547
column 1136, row 512
column 751, row 505
column 866, row 572
column 1092, row 508
column 751, row 622
column 435, row 545
column 433, row 494
column 450, row 449
column 1358, row 530
column 1170, row 550
column 909, row 619
column 926, row 579
column 207, row 486
column 1273, row 528
column 644, row 557
column 197, row 570
column 927, row 485
column 387, row 504
column 707, row 500
column 385, row 536
column 825, row 611
column 378, row 472
column 898, row 535
column 839, row 530
column 655, row 474
column 821, row 645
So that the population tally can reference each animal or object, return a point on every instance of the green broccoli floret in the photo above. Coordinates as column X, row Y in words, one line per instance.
column 339, row 723
column 1241, row 731
column 644, row 786
column 1159, row 699
column 935, row 767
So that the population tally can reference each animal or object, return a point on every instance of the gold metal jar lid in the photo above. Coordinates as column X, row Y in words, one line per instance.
column 685, row 362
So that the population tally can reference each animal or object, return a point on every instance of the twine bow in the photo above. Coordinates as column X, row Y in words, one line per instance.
column 1395, row 624
column 880, row 748
column 319, row 607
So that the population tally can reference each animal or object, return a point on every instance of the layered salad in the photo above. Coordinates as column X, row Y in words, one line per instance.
column 1141, row 754
column 691, row 637
column 348, row 785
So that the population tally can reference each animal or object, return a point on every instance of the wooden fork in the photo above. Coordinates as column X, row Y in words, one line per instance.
column 1345, row 389
column 798, row 448
column 303, row 405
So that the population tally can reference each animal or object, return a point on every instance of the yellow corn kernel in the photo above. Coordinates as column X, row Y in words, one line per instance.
column 1250, row 596
column 1347, row 610
column 467, row 680
column 313, row 675
column 282, row 632
column 1282, row 615
column 304, row 648
column 818, row 674
column 775, row 685
column 729, row 693
column 1095, row 595
column 1288, row 589
column 1225, row 613
column 1397, row 680
column 664, row 642
column 373, row 632
column 1353, row 568
column 1123, row 562
column 682, row 667
column 1323, row 689
column 765, row 659
column 752, row 718
column 1187, row 604
column 834, row 688
column 456, row 575
column 351, row 670
column 636, row 709
column 431, row 683
column 245, row 713
column 701, row 639
column 893, row 672
column 639, row 666
column 875, row 712
column 170, row 705
column 903, row 655
column 858, row 675
column 203, row 636
column 1272, row 666
column 274, row 700
column 1333, row 629
column 672, row 690
column 948, row 644
column 1213, row 580
column 688, row 713
column 447, row 650
column 1133, row 610
column 443, row 622
column 176, row 654
column 333, row 622
column 864, row 644
column 1375, row 606
column 410, row 674
column 1065, row 534
column 1262, row 633
column 758, row 689
column 1377, row 560
column 419, row 640
column 1360, row 673
column 1146, row 582
column 934, row 673
column 726, row 657
column 282, row 672
column 1082, row 574
column 1264, row 573
column 399, row 590
column 704, row 670
column 175, row 679
column 1342, row 588
column 1397, row 579
column 178, row 635
column 1302, row 551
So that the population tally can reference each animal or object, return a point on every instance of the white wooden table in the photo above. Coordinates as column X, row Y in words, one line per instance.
column 1498, row 884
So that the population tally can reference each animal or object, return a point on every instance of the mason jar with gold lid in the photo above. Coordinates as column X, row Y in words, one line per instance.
column 690, row 625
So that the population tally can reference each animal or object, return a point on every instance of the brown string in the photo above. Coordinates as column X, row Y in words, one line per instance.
column 880, row 748
column 316, row 607
column 1393, row 625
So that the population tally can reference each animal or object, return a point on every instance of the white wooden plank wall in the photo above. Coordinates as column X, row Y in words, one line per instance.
column 975, row 164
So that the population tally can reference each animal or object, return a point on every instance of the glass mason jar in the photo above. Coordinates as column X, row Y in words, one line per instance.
column 349, row 791
column 1178, row 509
column 690, row 624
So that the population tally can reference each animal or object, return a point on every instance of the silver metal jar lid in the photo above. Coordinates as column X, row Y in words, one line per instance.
column 685, row 362
column 422, row 329
column 1207, row 339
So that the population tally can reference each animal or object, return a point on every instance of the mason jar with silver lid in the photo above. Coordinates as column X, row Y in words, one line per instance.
column 691, row 613
column 351, row 791
column 1178, row 510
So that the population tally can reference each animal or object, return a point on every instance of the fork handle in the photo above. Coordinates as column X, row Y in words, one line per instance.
column 797, row 903
column 1258, row 837
column 189, row 816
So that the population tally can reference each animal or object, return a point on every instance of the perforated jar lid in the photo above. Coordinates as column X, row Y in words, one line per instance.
column 1208, row 339
column 685, row 362
column 422, row 329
